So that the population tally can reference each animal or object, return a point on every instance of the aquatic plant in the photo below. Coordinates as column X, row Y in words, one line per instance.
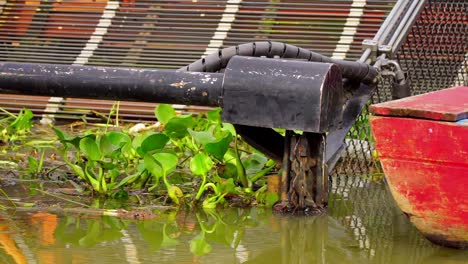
column 13, row 127
column 185, row 150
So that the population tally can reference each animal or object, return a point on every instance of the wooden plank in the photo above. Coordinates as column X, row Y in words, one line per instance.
column 444, row 105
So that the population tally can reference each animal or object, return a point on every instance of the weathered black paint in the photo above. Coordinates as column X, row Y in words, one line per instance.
column 264, row 139
column 274, row 93
column 359, row 94
column 144, row 85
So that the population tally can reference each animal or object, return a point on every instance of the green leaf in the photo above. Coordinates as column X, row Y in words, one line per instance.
column 202, row 137
column 33, row 164
column 261, row 173
column 127, row 180
column 92, row 179
column 201, row 164
column 89, row 147
column 229, row 170
column 167, row 160
column 228, row 186
column 214, row 115
column 230, row 128
column 198, row 246
column 164, row 113
column 153, row 166
column 106, row 146
column 219, row 148
column 241, row 174
column 78, row 170
column 254, row 163
column 22, row 122
column 64, row 138
column 139, row 138
column 209, row 203
column 154, row 142
column 118, row 138
column 177, row 126
column 107, row 165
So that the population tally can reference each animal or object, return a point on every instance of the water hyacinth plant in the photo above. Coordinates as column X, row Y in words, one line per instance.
column 13, row 127
column 198, row 158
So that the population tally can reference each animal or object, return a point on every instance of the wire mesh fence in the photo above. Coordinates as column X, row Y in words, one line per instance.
column 433, row 55
column 435, row 52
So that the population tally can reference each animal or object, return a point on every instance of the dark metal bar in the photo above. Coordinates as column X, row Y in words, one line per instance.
column 286, row 166
column 262, row 139
column 144, row 85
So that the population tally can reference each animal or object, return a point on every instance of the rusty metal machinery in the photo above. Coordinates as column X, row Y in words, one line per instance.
column 297, row 90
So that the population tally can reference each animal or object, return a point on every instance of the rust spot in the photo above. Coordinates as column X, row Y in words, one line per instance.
column 273, row 183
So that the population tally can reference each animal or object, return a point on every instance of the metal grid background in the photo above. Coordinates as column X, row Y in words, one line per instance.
column 169, row 34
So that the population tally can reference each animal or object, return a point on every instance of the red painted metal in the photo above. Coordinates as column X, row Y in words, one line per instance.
column 426, row 162
column 447, row 105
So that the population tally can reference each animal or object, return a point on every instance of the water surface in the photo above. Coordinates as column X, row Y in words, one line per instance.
column 362, row 226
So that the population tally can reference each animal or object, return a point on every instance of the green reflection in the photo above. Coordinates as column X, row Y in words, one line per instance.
column 362, row 226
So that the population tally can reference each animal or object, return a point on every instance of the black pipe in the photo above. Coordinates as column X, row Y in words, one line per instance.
column 144, row 85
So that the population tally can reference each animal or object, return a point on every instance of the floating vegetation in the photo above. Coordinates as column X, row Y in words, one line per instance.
column 188, row 160
column 13, row 127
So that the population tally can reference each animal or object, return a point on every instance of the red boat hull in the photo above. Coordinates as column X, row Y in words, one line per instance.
column 426, row 166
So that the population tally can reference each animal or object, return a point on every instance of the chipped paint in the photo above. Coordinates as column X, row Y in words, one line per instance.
column 206, row 79
column 180, row 84
column 447, row 105
column 426, row 166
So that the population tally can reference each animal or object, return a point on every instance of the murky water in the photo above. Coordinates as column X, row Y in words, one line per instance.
column 362, row 226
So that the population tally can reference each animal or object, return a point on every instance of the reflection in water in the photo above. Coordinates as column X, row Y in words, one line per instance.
column 362, row 226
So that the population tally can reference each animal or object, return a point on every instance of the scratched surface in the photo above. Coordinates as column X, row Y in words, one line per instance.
column 447, row 105
column 426, row 166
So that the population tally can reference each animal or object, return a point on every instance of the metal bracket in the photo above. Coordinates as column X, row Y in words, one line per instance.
column 386, row 49
column 376, row 49
column 371, row 45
